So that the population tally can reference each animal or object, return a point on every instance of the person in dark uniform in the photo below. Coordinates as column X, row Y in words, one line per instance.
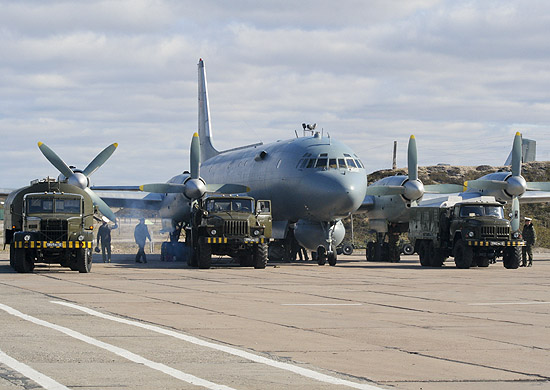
column 104, row 236
column 141, row 233
column 530, row 237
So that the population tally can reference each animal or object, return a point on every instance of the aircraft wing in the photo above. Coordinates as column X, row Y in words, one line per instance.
column 131, row 200
column 535, row 197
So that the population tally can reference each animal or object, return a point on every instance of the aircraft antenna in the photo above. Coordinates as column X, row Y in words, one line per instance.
column 296, row 132
column 394, row 164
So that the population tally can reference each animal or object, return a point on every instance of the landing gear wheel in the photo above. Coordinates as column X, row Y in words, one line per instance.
column 260, row 256
column 347, row 250
column 321, row 256
column 84, row 260
column 464, row 255
column 332, row 257
column 205, row 256
column 408, row 249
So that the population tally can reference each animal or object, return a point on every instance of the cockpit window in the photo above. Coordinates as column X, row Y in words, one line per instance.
column 321, row 163
column 351, row 163
column 332, row 163
column 342, row 163
column 311, row 163
column 358, row 163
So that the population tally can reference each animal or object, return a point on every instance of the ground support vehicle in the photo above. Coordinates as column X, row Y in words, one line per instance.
column 49, row 222
column 473, row 231
column 231, row 225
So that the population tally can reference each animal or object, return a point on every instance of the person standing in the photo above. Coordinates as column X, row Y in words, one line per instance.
column 141, row 233
column 530, row 237
column 104, row 235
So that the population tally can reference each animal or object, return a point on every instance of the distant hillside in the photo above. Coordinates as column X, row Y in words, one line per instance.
column 533, row 171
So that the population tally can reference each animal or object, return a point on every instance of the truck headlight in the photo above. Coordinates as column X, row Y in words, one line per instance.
column 27, row 237
column 470, row 234
column 256, row 232
column 80, row 238
column 516, row 235
column 213, row 232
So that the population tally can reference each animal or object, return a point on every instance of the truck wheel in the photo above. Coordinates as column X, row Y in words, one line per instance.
column 437, row 258
column 511, row 257
column 423, row 254
column 370, row 251
column 84, row 260
column 332, row 257
column 205, row 256
column 482, row 261
column 347, row 249
column 260, row 256
column 23, row 261
column 463, row 255
column 12, row 256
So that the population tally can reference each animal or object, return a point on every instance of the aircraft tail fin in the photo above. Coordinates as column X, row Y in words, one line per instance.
column 205, row 131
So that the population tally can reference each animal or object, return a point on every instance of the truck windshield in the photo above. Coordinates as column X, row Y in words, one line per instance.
column 480, row 211
column 243, row 205
column 50, row 205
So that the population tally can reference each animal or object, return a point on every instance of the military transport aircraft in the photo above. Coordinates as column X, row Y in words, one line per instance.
column 313, row 182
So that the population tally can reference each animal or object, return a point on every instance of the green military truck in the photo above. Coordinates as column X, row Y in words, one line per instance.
column 231, row 225
column 473, row 231
column 49, row 222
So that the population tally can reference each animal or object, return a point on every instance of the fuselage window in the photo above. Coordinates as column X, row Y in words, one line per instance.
column 351, row 163
column 321, row 163
column 342, row 163
column 332, row 163
column 310, row 163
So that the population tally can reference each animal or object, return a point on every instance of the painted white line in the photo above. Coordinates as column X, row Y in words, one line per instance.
column 509, row 303
column 232, row 351
column 119, row 351
column 43, row 380
column 321, row 304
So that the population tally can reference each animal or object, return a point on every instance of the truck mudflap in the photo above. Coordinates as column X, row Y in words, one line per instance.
column 53, row 244
column 496, row 243
column 225, row 240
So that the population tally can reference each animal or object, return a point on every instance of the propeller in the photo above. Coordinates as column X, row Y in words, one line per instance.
column 194, row 186
column 80, row 178
column 412, row 189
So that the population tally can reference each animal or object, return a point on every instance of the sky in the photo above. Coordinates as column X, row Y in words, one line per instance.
column 462, row 76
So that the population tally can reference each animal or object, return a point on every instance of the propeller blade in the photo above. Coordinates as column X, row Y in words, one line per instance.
column 443, row 188
column 412, row 159
column 487, row 185
column 160, row 188
column 55, row 160
column 227, row 188
column 538, row 186
column 385, row 190
column 101, row 205
column 517, row 155
column 195, row 156
column 100, row 159
column 515, row 222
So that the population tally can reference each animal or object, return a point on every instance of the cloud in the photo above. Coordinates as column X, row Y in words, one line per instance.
column 463, row 76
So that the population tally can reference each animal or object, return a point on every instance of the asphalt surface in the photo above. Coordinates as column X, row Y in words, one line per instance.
column 291, row 326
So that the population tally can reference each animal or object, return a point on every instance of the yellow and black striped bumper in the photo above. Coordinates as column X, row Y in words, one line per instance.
column 53, row 244
column 496, row 243
column 225, row 240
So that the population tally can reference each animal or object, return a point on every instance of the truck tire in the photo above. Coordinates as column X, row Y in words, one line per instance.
column 23, row 261
column 464, row 255
column 436, row 257
column 370, row 251
column 84, row 260
column 332, row 258
column 482, row 261
column 205, row 256
column 260, row 256
column 511, row 257
column 12, row 256
column 423, row 254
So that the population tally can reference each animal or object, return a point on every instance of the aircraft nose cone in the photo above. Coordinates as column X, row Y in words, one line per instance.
column 334, row 195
